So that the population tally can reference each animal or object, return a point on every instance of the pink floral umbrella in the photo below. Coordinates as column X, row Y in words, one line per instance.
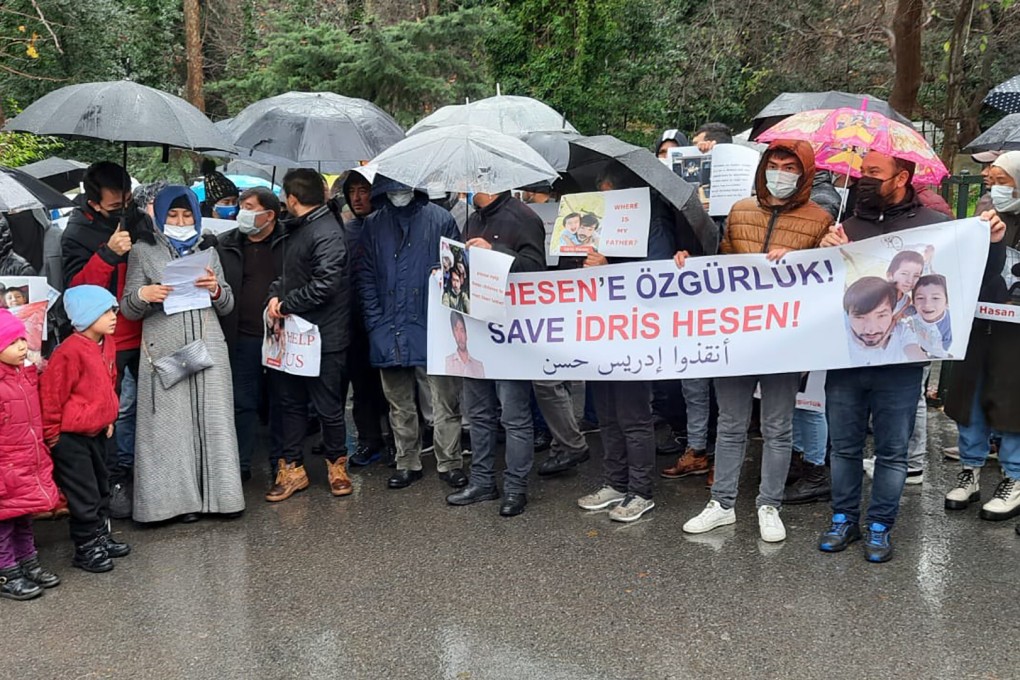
column 841, row 137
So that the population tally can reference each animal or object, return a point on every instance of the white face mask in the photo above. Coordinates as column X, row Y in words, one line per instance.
column 182, row 233
column 246, row 221
column 780, row 183
column 400, row 198
column 1004, row 200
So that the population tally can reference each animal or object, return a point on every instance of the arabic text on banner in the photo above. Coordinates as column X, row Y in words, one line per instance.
column 902, row 298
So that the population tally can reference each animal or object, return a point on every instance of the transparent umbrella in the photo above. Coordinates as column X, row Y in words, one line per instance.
column 508, row 114
column 463, row 158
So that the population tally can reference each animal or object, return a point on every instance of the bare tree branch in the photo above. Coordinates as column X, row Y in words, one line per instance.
column 49, row 29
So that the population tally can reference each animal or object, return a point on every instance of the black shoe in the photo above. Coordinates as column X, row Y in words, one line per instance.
column 877, row 547
column 812, row 487
column 120, row 500
column 465, row 442
column 561, row 462
column 364, row 455
column 14, row 585
column 666, row 443
column 513, row 504
column 92, row 556
column 403, row 478
column 115, row 548
column 472, row 494
column 839, row 535
column 543, row 440
column 245, row 476
column 797, row 468
column 389, row 456
column 189, row 518
column 31, row 570
column 455, row 478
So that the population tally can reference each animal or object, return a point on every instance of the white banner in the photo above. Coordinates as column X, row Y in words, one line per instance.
column 292, row 347
column 902, row 298
column 998, row 312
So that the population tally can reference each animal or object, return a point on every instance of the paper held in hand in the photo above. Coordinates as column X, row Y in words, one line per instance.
column 474, row 280
column 180, row 275
column 292, row 345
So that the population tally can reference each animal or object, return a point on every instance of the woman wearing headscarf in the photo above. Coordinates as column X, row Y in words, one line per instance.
column 985, row 395
column 186, row 460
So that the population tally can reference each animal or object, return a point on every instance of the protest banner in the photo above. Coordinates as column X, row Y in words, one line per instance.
column 722, row 176
column 293, row 346
column 612, row 223
column 901, row 298
column 474, row 280
column 18, row 291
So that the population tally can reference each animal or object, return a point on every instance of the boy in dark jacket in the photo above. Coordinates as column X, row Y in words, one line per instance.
column 79, row 409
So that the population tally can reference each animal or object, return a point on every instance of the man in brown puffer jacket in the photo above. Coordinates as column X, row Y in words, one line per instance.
column 780, row 219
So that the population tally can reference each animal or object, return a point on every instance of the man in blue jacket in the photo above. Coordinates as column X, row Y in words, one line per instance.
column 399, row 249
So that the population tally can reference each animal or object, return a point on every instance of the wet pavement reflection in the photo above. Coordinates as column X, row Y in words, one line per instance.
column 396, row 584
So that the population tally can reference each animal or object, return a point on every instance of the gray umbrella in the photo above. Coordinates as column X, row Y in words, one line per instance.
column 1005, row 96
column 508, row 114
column 120, row 111
column 318, row 129
column 1003, row 136
column 789, row 103
column 554, row 147
column 463, row 158
column 590, row 157
column 59, row 173
column 20, row 191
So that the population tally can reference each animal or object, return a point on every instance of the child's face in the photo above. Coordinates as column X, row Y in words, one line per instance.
column 15, row 353
column 106, row 324
column 14, row 298
column 906, row 276
column 871, row 328
column 930, row 302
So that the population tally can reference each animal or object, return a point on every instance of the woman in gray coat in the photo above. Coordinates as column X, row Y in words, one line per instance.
column 186, row 446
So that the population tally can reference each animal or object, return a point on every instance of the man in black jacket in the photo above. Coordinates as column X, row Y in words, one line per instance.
column 250, row 265
column 886, row 203
column 314, row 285
column 506, row 225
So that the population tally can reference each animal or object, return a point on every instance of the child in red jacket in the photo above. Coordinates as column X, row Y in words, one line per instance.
column 26, row 471
column 79, row 409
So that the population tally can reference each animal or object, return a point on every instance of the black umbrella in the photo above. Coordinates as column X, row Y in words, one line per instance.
column 790, row 103
column 554, row 147
column 59, row 173
column 20, row 191
column 1003, row 136
column 1005, row 96
column 318, row 129
column 592, row 156
column 120, row 111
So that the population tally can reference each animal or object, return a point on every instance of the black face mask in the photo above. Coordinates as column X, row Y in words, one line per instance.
column 870, row 202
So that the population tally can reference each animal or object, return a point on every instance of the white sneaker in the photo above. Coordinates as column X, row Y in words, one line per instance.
column 713, row 516
column 631, row 509
column 951, row 452
column 602, row 498
column 966, row 491
column 769, row 525
column 915, row 477
column 869, row 467
column 1005, row 503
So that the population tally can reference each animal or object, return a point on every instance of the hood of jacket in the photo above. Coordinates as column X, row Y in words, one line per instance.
column 384, row 185
column 806, row 155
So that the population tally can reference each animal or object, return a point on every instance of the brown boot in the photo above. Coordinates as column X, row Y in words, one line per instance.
column 339, row 482
column 710, row 480
column 289, row 480
column 691, row 463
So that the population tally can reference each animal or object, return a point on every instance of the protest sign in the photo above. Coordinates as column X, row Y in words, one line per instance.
column 733, row 171
column 612, row 223
column 215, row 225
column 992, row 311
column 694, row 167
column 293, row 346
column 879, row 301
column 548, row 212
column 180, row 274
column 474, row 280
column 18, row 291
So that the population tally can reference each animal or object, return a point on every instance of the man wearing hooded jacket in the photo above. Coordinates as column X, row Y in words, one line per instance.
column 504, row 224
column 781, row 218
column 94, row 249
column 399, row 249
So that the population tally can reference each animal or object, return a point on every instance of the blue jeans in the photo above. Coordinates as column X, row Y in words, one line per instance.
column 698, row 397
column 482, row 398
column 810, row 435
column 889, row 394
column 251, row 381
column 974, row 441
column 124, row 431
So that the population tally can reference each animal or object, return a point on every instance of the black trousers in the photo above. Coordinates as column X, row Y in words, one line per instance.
column 370, row 405
column 79, row 469
column 628, row 437
column 119, row 472
column 325, row 394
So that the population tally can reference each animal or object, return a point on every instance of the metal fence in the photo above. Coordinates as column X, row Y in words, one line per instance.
column 962, row 192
